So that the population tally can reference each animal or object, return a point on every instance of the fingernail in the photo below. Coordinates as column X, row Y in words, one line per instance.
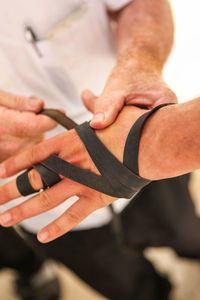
column 2, row 171
column 5, row 218
column 98, row 117
column 43, row 236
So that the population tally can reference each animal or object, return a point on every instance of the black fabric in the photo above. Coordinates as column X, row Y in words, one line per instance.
column 49, row 178
column 163, row 214
column 109, row 182
column 16, row 254
column 115, row 274
column 23, row 184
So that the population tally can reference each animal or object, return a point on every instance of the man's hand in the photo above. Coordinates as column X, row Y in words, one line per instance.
column 166, row 149
column 133, row 87
column 144, row 37
column 20, row 127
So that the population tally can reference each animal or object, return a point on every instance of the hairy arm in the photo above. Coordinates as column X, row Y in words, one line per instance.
column 144, row 37
column 145, row 30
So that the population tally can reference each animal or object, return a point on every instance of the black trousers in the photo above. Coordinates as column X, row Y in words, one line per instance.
column 161, row 215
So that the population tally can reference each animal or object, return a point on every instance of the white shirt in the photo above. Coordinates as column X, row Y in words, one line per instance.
column 77, row 51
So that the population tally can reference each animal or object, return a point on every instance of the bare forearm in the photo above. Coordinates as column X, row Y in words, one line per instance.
column 145, row 31
column 170, row 141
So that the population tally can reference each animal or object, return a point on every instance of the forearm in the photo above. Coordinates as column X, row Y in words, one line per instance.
column 170, row 139
column 170, row 143
column 145, row 34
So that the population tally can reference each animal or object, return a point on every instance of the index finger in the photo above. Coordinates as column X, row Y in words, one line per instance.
column 30, row 157
column 19, row 102
column 24, row 124
column 39, row 152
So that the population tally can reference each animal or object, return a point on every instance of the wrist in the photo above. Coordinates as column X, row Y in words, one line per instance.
column 114, row 137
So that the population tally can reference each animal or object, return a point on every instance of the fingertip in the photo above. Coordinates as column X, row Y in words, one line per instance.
column 98, row 125
column 35, row 105
column 101, row 121
column 86, row 94
column 43, row 236
column 97, row 121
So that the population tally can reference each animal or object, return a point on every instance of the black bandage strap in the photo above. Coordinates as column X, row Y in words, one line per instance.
column 23, row 184
column 131, row 149
column 116, row 179
column 49, row 178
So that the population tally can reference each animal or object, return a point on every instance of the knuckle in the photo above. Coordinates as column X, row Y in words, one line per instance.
column 19, row 101
column 101, row 106
column 21, row 129
column 103, row 201
column 18, row 213
column 56, row 229
column 73, row 217
column 45, row 200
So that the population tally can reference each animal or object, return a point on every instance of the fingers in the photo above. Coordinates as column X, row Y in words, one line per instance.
column 152, row 99
column 24, row 124
column 32, row 156
column 68, row 140
column 70, row 219
column 20, row 102
column 9, row 191
column 43, row 202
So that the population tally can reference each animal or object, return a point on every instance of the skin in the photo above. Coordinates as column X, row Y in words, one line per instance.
column 20, row 127
column 171, row 136
column 144, row 37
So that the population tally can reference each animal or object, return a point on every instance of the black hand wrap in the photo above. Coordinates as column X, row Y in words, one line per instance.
column 116, row 179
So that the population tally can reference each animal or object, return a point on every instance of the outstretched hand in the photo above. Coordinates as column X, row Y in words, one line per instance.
column 166, row 150
column 69, row 147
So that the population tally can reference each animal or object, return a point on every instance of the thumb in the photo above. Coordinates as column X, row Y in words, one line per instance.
column 106, row 111
column 21, row 103
column 89, row 100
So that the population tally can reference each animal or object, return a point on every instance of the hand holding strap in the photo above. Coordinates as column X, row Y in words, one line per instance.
column 116, row 179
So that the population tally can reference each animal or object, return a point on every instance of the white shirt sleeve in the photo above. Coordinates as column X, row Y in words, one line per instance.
column 116, row 4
